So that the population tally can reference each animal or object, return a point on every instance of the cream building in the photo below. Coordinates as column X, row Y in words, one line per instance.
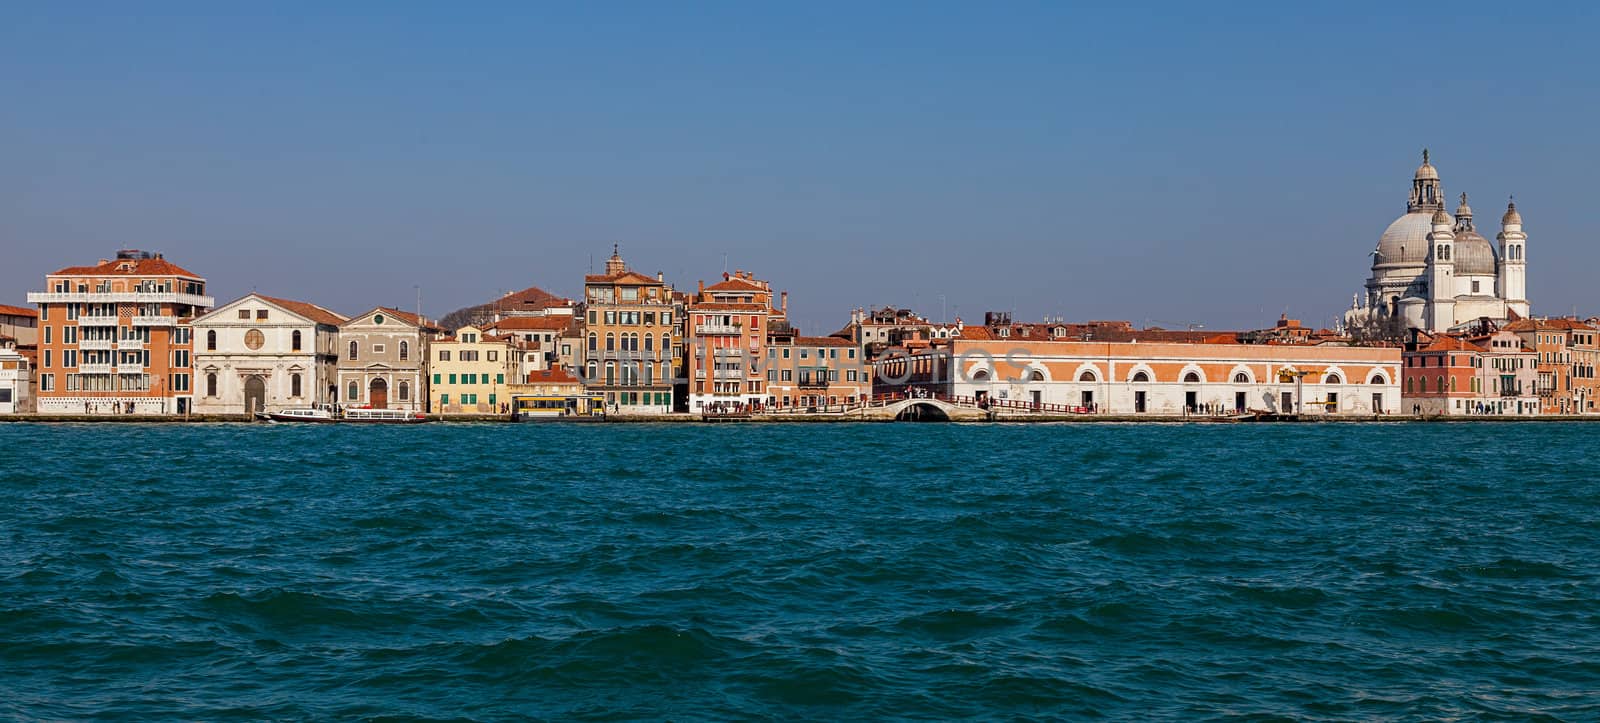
column 16, row 380
column 1436, row 272
column 261, row 353
column 383, row 356
column 470, row 372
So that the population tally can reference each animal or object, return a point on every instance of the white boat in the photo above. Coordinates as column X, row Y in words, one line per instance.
column 319, row 413
column 383, row 416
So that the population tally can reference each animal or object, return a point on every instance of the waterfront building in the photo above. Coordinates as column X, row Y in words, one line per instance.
column 20, row 324
column 470, row 371
column 815, row 371
column 1140, row 377
column 383, row 359
column 16, row 379
column 1567, row 355
column 1451, row 375
column 632, row 339
column 1435, row 272
column 113, row 339
column 540, row 334
column 725, row 340
column 264, row 354
column 875, row 330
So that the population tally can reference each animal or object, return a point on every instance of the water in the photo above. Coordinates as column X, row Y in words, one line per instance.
column 800, row 571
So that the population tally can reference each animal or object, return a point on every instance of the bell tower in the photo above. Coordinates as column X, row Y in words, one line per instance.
column 1513, row 277
column 1441, row 274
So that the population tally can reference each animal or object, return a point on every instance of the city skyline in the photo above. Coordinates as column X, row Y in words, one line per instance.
column 1186, row 167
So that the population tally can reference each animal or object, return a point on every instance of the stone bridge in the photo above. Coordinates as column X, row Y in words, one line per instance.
column 930, row 409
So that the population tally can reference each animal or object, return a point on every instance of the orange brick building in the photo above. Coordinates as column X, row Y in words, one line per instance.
column 114, row 337
column 725, row 338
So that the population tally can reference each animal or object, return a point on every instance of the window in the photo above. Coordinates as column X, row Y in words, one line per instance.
column 261, row 314
column 1332, row 379
column 444, row 399
column 444, row 355
column 211, row 385
column 494, row 356
column 47, row 334
column 1191, row 378
column 211, row 342
column 452, row 379
column 244, row 314
column 46, row 354
column 405, row 391
column 354, row 349
column 294, row 384
column 354, row 392
column 294, row 345
column 1141, row 377
column 405, row 353
column 1376, row 379
column 47, row 382
column 499, row 378
column 1086, row 376
column 593, row 341
column 436, row 378
column 611, row 342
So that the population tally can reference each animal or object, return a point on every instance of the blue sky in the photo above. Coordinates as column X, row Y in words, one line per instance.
column 1217, row 163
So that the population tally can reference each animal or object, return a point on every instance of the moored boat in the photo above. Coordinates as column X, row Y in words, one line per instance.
column 383, row 416
column 317, row 414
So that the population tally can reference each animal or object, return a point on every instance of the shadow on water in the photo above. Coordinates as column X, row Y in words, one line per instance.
column 922, row 412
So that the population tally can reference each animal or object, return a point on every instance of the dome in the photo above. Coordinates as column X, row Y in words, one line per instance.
column 1406, row 240
column 1440, row 216
column 1511, row 217
column 1474, row 255
column 1426, row 172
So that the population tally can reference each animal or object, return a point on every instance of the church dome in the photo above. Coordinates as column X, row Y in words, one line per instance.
column 1511, row 215
column 1474, row 255
column 1426, row 172
column 1406, row 240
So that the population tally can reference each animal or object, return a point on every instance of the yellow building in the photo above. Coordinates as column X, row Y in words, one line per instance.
column 471, row 372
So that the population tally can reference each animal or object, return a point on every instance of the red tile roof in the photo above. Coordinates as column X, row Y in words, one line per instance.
column 626, row 277
column 9, row 310
column 736, row 284
column 727, row 306
column 532, row 323
column 129, row 267
column 530, row 299
column 551, row 376
column 822, row 341
column 307, row 309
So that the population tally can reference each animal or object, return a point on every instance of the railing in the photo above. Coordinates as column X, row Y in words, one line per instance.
column 96, row 344
column 120, row 297
column 97, row 321
column 155, row 321
column 813, row 383
column 130, row 368
column 95, row 368
column 710, row 329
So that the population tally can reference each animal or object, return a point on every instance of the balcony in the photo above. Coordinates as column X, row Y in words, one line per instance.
column 813, row 383
column 94, row 369
column 124, row 297
column 97, row 321
column 96, row 344
column 130, row 368
column 155, row 321
column 717, row 330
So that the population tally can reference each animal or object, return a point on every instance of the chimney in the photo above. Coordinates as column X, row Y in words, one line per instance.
column 702, row 287
column 661, row 277
column 785, row 300
column 724, row 276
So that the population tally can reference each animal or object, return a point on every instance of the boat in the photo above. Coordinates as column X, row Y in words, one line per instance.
column 366, row 415
column 318, row 414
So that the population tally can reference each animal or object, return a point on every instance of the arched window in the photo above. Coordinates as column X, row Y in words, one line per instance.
column 611, row 371
column 353, row 347
column 1036, row 376
column 211, row 343
column 1410, row 387
column 405, row 387
column 294, row 344
column 649, row 343
column 211, row 383
column 1452, row 384
column 294, row 385
column 666, row 343
column 1440, row 387
column 594, row 341
column 1241, row 378
column 593, row 371
column 1376, row 379
column 982, row 375
column 353, row 393
column 405, row 353
column 611, row 342
column 1191, row 378
column 1086, row 376
column 1140, row 377
column 1332, row 379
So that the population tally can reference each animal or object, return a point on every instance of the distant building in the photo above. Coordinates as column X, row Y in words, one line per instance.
column 113, row 337
column 725, row 338
column 552, row 393
column 1567, row 355
column 632, row 339
column 815, row 371
column 1493, row 373
column 540, row 334
column 874, row 330
column 1434, row 272
column 1138, row 377
column 16, row 379
column 264, row 354
column 21, row 324
column 471, row 372
column 383, row 360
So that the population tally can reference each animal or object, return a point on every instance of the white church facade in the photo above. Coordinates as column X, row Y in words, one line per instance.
column 1436, row 271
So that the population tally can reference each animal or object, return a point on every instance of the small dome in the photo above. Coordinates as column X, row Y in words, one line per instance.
column 1440, row 216
column 1474, row 255
column 1406, row 240
column 1426, row 172
column 1463, row 210
column 1511, row 217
